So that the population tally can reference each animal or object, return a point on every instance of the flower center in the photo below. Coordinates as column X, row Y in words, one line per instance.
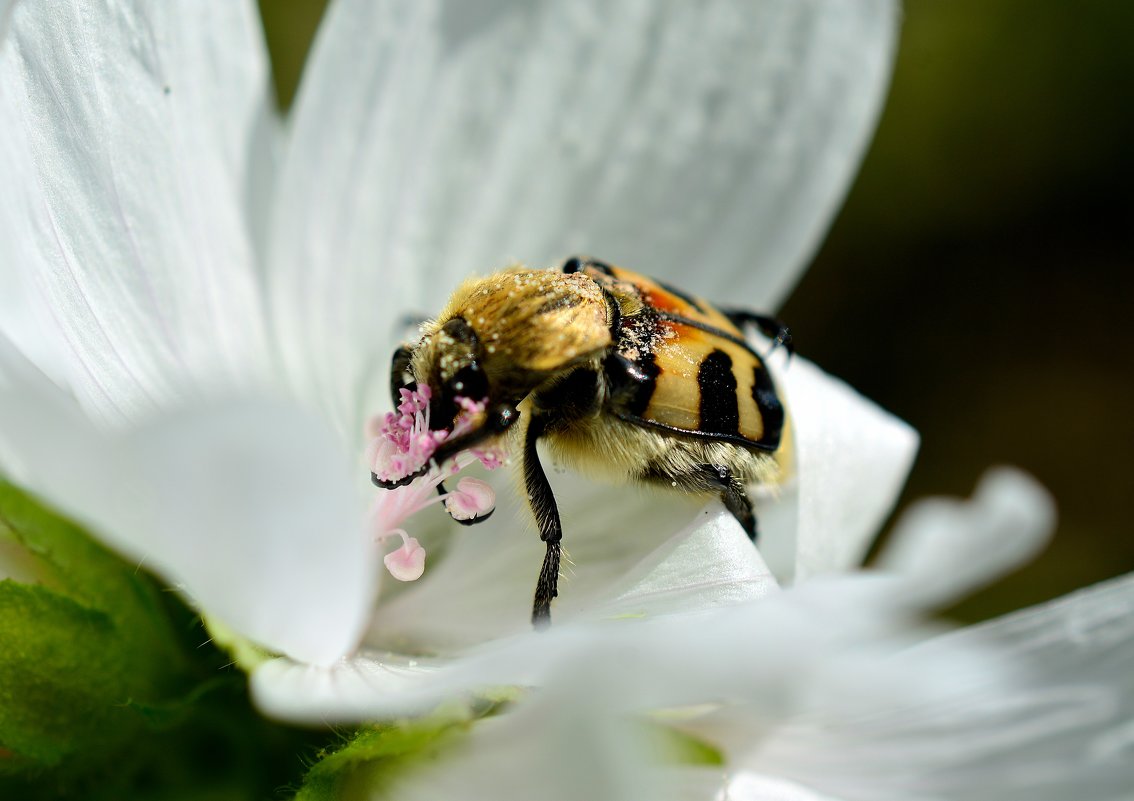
column 400, row 455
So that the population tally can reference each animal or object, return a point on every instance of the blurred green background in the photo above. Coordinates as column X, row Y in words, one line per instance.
column 978, row 282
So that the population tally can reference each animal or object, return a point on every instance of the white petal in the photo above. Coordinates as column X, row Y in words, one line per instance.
column 23, row 316
column 1057, row 725
column 435, row 140
column 337, row 288
column 851, row 462
column 248, row 507
column 1034, row 706
column 778, row 640
column 139, row 122
column 379, row 685
column 351, row 690
column 944, row 548
column 627, row 552
column 748, row 786
column 708, row 564
column 628, row 567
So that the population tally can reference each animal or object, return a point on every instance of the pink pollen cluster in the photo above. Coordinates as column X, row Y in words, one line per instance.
column 403, row 443
column 401, row 446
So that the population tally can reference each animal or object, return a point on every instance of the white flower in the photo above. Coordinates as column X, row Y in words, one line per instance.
column 199, row 306
column 197, row 310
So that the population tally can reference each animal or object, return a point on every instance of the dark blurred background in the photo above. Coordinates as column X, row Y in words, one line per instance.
column 979, row 281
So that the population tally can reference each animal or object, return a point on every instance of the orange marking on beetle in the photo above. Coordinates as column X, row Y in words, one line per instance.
column 664, row 301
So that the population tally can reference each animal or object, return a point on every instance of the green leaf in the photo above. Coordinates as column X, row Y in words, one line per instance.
column 88, row 645
column 674, row 747
column 168, row 714
column 110, row 687
column 359, row 766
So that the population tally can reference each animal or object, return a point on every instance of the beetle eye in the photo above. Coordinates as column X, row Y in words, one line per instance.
column 470, row 382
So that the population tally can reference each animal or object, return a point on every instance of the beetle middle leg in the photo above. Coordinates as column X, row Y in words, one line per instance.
column 734, row 496
column 546, row 512
column 716, row 478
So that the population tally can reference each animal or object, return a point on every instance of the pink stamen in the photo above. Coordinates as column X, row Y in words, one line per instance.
column 472, row 498
column 402, row 445
column 406, row 563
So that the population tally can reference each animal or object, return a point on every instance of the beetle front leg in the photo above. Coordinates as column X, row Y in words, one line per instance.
column 499, row 420
column 399, row 368
column 546, row 512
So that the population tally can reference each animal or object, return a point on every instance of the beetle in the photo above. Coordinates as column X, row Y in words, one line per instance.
column 620, row 374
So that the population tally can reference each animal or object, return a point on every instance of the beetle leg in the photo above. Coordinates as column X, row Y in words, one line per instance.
column 769, row 326
column 499, row 420
column 542, row 501
column 734, row 497
column 736, row 501
column 716, row 478
column 399, row 368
